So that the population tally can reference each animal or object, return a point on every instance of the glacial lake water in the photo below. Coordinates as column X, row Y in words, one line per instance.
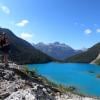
column 81, row 76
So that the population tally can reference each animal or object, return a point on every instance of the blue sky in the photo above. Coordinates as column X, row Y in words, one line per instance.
column 74, row 22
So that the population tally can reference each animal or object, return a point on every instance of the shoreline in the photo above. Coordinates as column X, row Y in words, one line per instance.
column 31, row 86
column 72, row 91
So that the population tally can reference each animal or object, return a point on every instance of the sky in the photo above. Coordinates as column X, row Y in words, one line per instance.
column 74, row 22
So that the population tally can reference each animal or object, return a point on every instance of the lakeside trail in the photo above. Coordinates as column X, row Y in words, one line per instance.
column 15, row 84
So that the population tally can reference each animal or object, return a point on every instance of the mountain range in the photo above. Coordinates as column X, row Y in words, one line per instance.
column 91, row 55
column 23, row 52
column 57, row 50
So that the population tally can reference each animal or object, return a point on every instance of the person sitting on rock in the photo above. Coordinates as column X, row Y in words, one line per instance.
column 4, row 47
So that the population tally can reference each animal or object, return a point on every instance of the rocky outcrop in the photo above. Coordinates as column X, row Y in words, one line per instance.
column 17, row 85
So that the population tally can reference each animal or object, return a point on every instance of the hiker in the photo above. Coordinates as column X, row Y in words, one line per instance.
column 4, row 47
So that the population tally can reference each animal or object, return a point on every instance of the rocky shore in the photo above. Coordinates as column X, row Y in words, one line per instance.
column 15, row 84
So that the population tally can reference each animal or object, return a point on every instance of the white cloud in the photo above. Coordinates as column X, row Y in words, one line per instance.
column 27, row 36
column 98, row 30
column 5, row 9
column 22, row 23
column 88, row 31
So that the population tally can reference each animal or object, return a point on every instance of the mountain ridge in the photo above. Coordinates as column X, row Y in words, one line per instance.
column 87, row 56
column 56, row 50
column 23, row 52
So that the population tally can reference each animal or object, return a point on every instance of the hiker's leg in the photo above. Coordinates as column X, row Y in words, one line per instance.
column 2, row 58
column 6, row 58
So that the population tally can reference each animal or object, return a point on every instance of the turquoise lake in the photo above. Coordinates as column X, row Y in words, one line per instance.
column 81, row 76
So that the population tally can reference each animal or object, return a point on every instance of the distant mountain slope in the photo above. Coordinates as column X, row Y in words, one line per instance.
column 87, row 56
column 23, row 52
column 57, row 50
column 97, row 60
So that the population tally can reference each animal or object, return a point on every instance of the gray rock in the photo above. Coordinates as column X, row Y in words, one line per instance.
column 15, row 87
